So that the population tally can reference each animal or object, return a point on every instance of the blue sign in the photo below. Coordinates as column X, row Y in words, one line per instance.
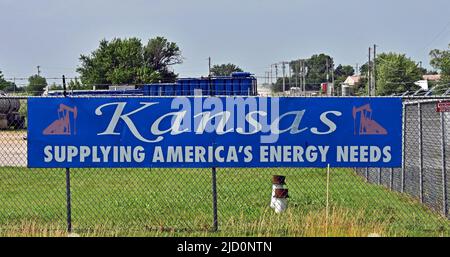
column 214, row 132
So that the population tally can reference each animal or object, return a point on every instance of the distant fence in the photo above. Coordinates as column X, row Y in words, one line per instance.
column 411, row 200
column 426, row 156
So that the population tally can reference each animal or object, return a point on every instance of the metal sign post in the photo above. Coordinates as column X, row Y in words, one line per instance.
column 68, row 195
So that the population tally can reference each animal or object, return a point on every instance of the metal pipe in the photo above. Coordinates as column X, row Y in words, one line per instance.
column 419, row 113
column 444, row 169
column 68, row 193
column 64, row 86
column 402, row 183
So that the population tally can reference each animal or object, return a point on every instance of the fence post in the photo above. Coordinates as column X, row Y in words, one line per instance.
column 64, row 86
column 444, row 171
column 402, row 182
column 419, row 113
column 68, row 195
column 69, row 207
column 214, row 195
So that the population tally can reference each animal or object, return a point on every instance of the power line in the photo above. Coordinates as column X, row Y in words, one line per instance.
column 438, row 35
column 374, row 69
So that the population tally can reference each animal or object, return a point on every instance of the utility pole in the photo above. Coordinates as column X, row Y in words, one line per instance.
column 284, row 76
column 276, row 73
column 289, row 74
column 38, row 70
column 369, row 82
column 327, row 70
column 374, row 70
column 332, row 78
column 357, row 69
column 271, row 74
column 302, row 74
column 209, row 66
column 303, row 83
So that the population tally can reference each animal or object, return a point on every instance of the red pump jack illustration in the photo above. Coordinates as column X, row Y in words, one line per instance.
column 61, row 126
column 367, row 126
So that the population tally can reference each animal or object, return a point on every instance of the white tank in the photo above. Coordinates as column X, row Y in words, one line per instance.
column 345, row 90
column 274, row 200
column 280, row 205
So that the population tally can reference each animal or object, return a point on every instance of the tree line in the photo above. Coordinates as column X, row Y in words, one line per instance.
column 396, row 73
column 129, row 61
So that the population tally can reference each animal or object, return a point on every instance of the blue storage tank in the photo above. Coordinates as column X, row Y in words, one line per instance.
column 194, row 84
column 168, row 89
column 146, row 89
column 246, row 85
column 204, row 85
column 240, row 74
column 236, row 86
column 153, row 89
column 177, row 89
column 183, row 85
column 228, row 87
column 218, row 86
column 239, row 83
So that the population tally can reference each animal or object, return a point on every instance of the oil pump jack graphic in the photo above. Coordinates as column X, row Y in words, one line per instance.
column 367, row 126
column 61, row 126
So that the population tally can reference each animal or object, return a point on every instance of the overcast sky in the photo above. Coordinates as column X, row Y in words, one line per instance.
column 250, row 33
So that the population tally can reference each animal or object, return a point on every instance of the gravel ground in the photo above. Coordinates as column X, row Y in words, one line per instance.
column 13, row 148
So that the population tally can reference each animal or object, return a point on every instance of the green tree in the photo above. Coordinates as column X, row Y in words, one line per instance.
column 396, row 73
column 440, row 59
column 75, row 84
column 317, row 68
column 36, row 84
column 224, row 69
column 344, row 71
column 117, row 62
column 316, row 72
column 159, row 55
column 278, row 85
column 54, row 86
column 340, row 75
column 5, row 85
column 127, row 61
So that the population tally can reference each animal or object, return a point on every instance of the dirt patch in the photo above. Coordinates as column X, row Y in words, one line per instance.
column 13, row 148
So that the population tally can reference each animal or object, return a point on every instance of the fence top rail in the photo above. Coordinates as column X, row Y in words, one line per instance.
column 424, row 101
column 406, row 99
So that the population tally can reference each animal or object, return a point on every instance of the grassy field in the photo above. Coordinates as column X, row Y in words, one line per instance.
column 178, row 202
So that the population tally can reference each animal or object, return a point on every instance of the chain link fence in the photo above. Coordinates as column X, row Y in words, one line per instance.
column 426, row 144
column 407, row 201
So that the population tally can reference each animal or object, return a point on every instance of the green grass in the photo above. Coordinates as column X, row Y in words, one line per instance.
column 178, row 202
